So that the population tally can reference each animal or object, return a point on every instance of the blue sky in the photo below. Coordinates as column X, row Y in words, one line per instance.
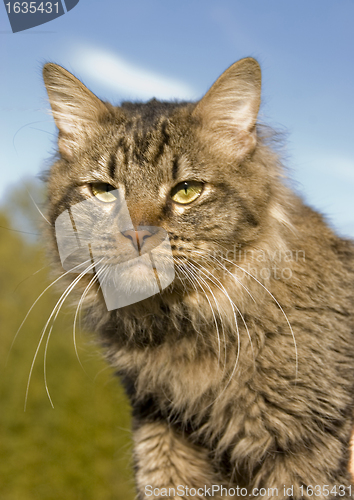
column 145, row 48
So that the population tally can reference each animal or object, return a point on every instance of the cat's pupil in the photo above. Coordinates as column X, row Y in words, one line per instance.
column 104, row 192
column 187, row 191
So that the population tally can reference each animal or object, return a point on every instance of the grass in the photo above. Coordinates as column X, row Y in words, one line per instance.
column 81, row 449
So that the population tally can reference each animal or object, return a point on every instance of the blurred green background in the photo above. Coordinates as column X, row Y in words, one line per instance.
column 81, row 449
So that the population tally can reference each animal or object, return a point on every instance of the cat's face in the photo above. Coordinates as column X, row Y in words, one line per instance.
column 137, row 177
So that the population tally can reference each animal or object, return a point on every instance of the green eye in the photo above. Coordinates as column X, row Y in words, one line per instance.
column 104, row 192
column 187, row 191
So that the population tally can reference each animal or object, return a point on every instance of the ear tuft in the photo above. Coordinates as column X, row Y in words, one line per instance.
column 228, row 111
column 75, row 108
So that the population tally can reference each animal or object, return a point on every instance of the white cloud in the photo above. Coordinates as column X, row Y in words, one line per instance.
column 128, row 80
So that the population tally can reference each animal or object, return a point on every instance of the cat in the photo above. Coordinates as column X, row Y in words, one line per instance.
column 239, row 370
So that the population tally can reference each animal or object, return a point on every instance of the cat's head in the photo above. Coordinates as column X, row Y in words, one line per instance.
column 188, row 179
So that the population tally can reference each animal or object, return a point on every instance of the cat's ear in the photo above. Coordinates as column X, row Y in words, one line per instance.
column 228, row 111
column 76, row 110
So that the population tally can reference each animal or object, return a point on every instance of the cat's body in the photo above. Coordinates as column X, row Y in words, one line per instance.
column 241, row 372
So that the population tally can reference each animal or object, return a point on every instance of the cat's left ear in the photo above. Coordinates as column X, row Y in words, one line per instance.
column 228, row 111
column 76, row 110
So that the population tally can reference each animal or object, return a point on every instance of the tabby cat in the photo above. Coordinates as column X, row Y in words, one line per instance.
column 239, row 370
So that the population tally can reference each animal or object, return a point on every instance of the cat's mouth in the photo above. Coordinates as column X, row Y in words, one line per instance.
column 134, row 280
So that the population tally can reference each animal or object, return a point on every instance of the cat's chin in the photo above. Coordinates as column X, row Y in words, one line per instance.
column 131, row 282
column 140, row 276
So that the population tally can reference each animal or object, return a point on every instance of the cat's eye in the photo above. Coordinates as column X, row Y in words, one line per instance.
column 104, row 192
column 187, row 191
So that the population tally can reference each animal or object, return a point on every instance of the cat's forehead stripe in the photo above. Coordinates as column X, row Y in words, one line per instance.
column 175, row 169
column 118, row 156
column 165, row 137
column 136, row 146
column 112, row 165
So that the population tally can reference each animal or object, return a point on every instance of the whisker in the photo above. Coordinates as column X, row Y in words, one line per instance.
column 37, row 207
column 220, row 315
column 77, row 312
column 58, row 307
column 36, row 301
column 18, row 231
column 179, row 271
column 228, row 271
column 24, row 126
column 191, row 280
column 58, row 304
column 238, row 336
column 231, row 302
column 212, row 310
column 281, row 309
column 30, row 276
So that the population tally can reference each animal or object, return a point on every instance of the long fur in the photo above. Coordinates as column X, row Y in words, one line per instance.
column 241, row 372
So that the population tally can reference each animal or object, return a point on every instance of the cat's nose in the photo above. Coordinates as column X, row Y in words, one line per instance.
column 137, row 237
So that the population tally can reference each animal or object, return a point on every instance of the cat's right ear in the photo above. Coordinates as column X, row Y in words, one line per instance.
column 228, row 111
column 76, row 110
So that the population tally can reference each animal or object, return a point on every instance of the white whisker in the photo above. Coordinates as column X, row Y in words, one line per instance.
column 37, row 207
column 36, row 301
column 212, row 278
column 220, row 316
column 229, row 298
column 78, row 308
column 56, row 308
column 211, row 307
column 281, row 309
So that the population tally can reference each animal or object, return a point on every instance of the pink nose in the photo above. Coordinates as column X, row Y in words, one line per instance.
column 137, row 237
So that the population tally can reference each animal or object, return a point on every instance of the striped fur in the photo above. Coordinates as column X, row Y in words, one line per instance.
column 241, row 373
